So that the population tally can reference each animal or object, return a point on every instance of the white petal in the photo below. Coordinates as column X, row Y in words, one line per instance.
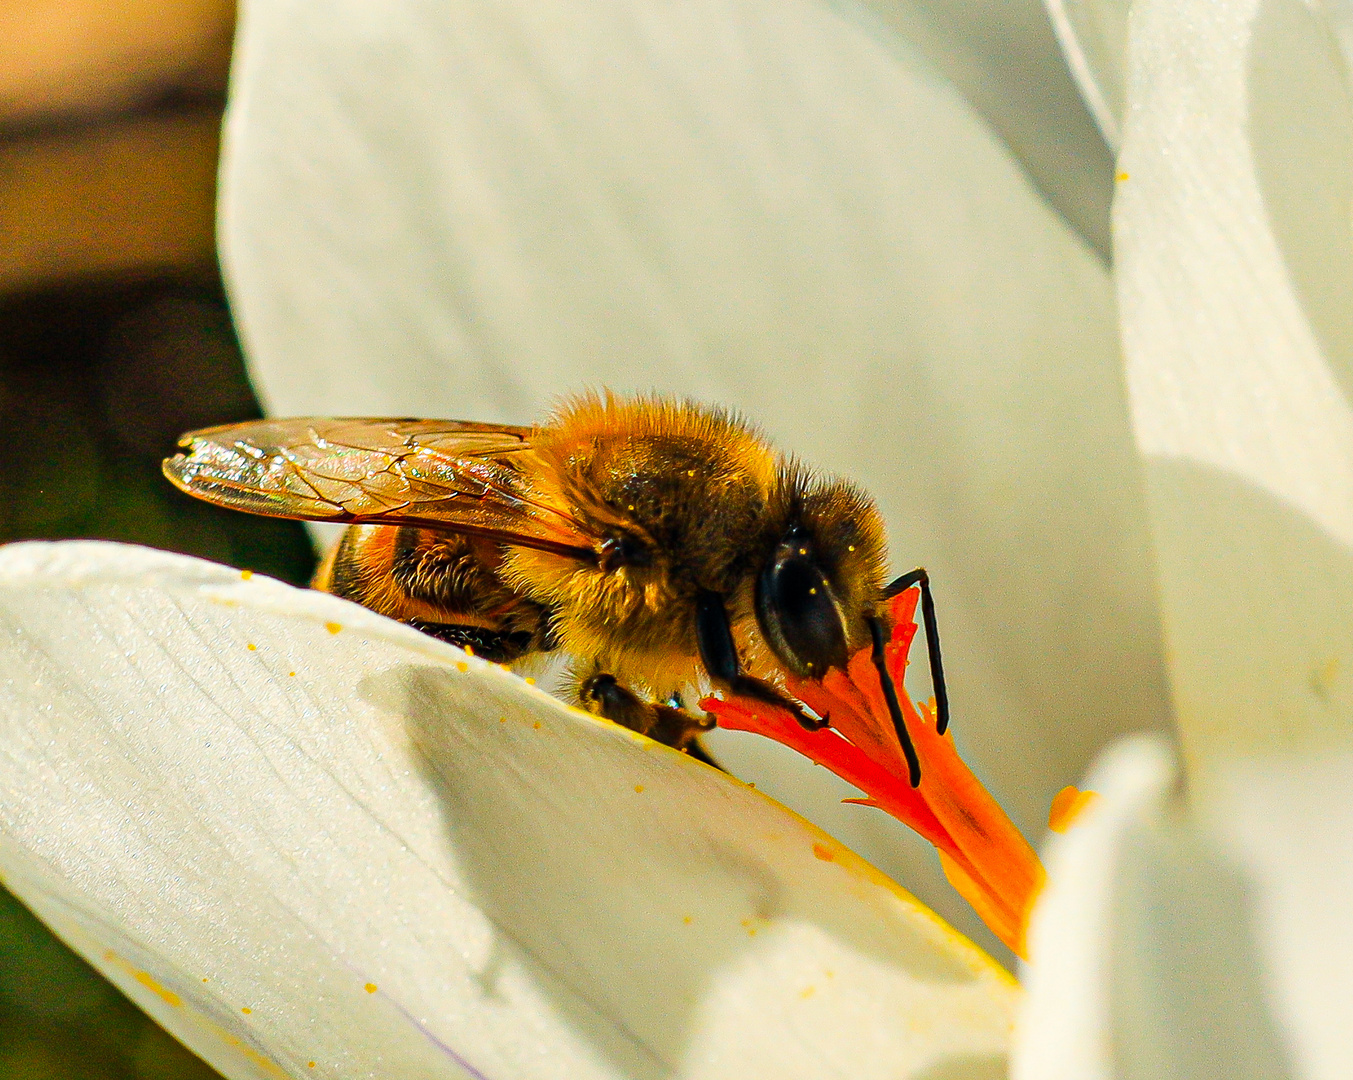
column 1160, row 953
column 295, row 832
column 1093, row 34
column 1235, row 273
column 1287, row 823
column 1003, row 56
column 468, row 209
column 1148, row 956
column 1065, row 1023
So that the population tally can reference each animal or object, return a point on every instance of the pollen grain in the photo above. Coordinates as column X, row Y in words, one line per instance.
column 1067, row 807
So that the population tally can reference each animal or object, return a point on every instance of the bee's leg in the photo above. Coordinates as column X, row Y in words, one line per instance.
column 932, row 639
column 600, row 693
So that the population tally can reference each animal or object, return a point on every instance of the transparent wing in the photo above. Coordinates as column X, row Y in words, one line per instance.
column 454, row 475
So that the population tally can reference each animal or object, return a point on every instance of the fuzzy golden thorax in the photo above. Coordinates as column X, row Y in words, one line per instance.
column 689, row 500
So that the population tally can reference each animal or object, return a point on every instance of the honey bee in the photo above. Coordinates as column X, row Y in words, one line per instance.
column 652, row 541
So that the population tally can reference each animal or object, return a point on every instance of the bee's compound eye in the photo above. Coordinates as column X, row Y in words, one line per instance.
column 797, row 612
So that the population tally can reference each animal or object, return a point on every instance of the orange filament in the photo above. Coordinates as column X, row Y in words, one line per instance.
column 983, row 855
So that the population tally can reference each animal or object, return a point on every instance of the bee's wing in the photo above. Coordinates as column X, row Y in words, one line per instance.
column 448, row 474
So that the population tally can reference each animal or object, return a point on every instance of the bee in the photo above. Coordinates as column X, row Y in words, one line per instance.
column 655, row 542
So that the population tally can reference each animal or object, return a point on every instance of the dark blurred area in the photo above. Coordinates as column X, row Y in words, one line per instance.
column 115, row 337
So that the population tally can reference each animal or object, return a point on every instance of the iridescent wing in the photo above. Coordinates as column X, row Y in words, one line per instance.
column 444, row 474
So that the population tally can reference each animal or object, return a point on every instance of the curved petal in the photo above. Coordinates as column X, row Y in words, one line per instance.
column 1003, row 56
column 1286, row 824
column 1094, row 35
column 468, row 209
column 1235, row 278
column 311, row 841
column 1065, row 1025
column 1155, row 950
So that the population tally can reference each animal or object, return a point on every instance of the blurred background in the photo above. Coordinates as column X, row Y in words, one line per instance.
column 114, row 338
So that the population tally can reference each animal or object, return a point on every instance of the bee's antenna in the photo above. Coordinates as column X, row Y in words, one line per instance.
column 932, row 640
column 890, row 695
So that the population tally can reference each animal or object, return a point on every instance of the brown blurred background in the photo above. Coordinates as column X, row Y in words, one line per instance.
column 114, row 338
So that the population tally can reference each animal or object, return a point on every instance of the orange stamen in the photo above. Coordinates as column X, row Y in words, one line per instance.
column 983, row 855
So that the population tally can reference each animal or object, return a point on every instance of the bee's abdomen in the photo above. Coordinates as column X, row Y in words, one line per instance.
column 442, row 583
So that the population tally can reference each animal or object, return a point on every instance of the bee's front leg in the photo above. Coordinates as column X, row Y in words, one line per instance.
column 603, row 695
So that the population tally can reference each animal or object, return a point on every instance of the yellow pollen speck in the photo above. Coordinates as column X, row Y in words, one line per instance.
column 630, row 507
column 812, row 591
column 639, row 789
column 461, row 665
column 309, row 1064
column 502, row 719
column 333, row 627
column 252, row 647
column 167, row 996
column 803, row 551
column 246, row 1010
column 1121, row 177
column 1067, row 807
column 850, row 547
column 824, row 853
column 807, row 992
column 536, row 725
column 686, row 919
column 370, row 988
column 245, row 575
column 530, row 681
column 690, row 472
column 1324, row 676
column 469, row 650
column 291, row 674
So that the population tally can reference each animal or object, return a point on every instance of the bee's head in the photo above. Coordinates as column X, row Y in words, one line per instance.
column 821, row 578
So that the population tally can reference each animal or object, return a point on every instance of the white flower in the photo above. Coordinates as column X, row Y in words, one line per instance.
column 470, row 209
column 464, row 209
column 1223, row 935
column 311, row 841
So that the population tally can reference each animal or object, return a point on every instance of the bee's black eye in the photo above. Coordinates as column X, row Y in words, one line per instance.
column 797, row 611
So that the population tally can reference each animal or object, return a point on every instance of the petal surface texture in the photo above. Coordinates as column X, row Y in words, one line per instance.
column 298, row 833
column 468, row 209
column 1234, row 248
